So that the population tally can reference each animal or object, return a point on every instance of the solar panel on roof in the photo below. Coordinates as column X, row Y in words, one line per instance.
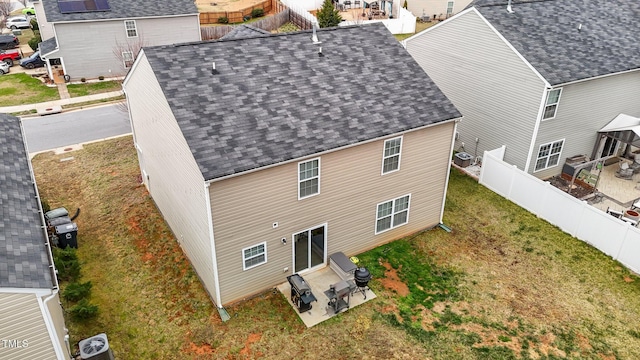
column 78, row 6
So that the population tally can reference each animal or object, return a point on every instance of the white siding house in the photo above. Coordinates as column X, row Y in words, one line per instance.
column 528, row 79
column 82, row 43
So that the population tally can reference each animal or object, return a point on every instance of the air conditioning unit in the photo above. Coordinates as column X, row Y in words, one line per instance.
column 95, row 348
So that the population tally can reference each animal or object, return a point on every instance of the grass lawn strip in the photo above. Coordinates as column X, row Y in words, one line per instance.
column 502, row 285
column 76, row 90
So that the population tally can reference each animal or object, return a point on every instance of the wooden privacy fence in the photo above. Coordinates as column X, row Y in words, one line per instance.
column 237, row 16
column 271, row 23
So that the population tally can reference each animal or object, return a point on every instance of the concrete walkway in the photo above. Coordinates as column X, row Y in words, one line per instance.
column 61, row 102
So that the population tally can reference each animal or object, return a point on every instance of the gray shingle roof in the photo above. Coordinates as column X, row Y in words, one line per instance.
column 24, row 261
column 244, row 31
column 546, row 34
column 123, row 9
column 48, row 46
column 274, row 99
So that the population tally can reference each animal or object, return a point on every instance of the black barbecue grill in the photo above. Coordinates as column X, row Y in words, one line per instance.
column 362, row 276
column 301, row 295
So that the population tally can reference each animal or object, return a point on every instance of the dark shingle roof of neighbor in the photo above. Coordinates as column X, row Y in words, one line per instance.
column 24, row 257
column 546, row 33
column 244, row 31
column 275, row 99
column 123, row 9
column 48, row 46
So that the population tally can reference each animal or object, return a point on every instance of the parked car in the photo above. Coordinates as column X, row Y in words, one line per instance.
column 8, row 42
column 18, row 22
column 29, row 11
column 4, row 68
column 32, row 61
column 10, row 56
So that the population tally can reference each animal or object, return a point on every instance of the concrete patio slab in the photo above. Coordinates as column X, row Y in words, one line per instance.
column 319, row 282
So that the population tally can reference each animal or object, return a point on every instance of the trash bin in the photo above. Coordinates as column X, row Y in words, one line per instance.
column 56, row 213
column 462, row 159
column 67, row 235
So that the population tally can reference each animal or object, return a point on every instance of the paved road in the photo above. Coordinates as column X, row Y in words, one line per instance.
column 75, row 127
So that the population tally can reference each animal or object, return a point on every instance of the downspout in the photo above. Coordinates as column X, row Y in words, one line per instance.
column 446, row 184
column 213, row 245
column 536, row 129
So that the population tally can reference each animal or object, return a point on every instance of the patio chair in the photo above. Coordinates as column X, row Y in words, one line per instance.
column 614, row 213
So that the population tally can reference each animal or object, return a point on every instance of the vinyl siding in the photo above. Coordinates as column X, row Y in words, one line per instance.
column 351, row 185
column 584, row 108
column 45, row 27
column 434, row 7
column 22, row 319
column 175, row 181
column 496, row 92
column 87, row 48
column 54, row 309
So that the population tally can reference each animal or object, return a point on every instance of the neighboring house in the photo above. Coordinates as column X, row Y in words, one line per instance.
column 289, row 151
column 31, row 318
column 88, row 39
column 543, row 79
column 436, row 9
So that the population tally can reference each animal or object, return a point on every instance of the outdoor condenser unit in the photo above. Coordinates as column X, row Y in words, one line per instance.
column 95, row 348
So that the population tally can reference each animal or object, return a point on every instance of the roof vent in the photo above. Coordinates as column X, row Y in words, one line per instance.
column 579, row 27
column 320, row 54
column 314, row 37
column 509, row 8
column 213, row 68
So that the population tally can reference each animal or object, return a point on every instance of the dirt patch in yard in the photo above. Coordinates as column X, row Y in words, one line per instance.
column 392, row 282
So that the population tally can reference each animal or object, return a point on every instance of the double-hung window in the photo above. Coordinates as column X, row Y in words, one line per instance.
column 449, row 8
column 393, row 213
column 549, row 155
column 551, row 105
column 131, row 29
column 254, row 256
column 308, row 178
column 127, row 58
column 391, row 155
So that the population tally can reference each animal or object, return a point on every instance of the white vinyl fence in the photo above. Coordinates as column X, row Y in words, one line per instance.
column 608, row 234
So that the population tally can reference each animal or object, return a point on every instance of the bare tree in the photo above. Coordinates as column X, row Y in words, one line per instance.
column 127, row 52
column 23, row 2
column 5, row 10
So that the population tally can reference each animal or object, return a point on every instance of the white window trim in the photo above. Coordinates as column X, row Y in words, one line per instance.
column 299, row 181
column 546, row 104
column 124, row 59
column 384, row 146
column 393, row 226
column 135, row 28
column 244, row 260
column 548, row 156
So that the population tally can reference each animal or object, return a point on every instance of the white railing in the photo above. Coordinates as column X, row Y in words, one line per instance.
column 608, row 234
column 404, row 22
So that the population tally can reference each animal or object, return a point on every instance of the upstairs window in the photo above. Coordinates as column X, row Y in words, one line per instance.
column 549, row 155
column 391, row 155
column 449, row 8
column 551, row 106
column 130, row 27
column 308, row 178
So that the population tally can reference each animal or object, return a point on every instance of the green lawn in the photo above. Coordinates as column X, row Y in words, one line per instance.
column 502, row 285
column 20, row 88
column 420, row 26
column 76, row 90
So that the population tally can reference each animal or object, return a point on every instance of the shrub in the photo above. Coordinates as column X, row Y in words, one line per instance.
column 405, row 4
column 76, row 291
column 45, row 205
column 67, row 263
column 100, row 77
column 35, row 40
column 83, row 79
column 223, row 20
column 257, row 13
column 34, row 24
column 83, row 310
